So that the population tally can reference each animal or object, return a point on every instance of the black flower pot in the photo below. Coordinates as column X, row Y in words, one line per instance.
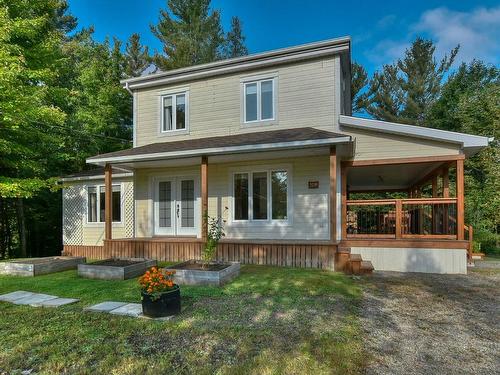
column 168, row 303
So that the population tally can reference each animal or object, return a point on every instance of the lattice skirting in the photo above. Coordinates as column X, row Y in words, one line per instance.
column 275, row 254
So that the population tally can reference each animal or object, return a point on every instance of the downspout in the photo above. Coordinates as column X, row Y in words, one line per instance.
column 128, row 89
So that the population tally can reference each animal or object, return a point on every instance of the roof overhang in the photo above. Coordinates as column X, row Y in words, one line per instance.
column 102, row 160
column 254, row 61
column 95, row 177
column 470, row 143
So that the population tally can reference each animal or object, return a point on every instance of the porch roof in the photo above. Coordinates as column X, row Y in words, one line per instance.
column 231, row 144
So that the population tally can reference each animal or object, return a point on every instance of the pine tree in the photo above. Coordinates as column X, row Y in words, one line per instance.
column 405, row 90
column 359, row 79
column 136, row 56
column 191, row 34
column 235, row 40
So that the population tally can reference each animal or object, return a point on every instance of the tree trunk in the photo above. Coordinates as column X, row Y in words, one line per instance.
column 21, row 225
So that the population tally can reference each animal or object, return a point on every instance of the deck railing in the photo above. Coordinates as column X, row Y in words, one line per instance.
column 402, row 218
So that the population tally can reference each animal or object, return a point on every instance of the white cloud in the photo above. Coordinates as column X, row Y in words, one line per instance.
column 477, row 32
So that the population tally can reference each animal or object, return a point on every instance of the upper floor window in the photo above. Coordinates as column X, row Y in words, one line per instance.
column 174, row 109
column 96, row 204
column 259, row 100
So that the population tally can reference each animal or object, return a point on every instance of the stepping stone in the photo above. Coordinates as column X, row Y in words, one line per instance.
column 130, row 309
column 106, row 306
column 11, row 297
column 34, row 299
column 56, row 302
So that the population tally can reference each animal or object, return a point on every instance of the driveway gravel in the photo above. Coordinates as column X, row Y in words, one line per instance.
column 432, row 324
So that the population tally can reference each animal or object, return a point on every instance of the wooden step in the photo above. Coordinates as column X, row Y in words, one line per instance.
column 366, row 267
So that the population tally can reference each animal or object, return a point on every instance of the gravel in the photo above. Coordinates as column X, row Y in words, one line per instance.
column 432, row 324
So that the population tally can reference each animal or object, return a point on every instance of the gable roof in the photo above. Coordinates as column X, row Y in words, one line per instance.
column 470, row 143
column 238, row 143
column 259, row 60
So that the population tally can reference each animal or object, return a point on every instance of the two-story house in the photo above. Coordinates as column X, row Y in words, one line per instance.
column 267, row 142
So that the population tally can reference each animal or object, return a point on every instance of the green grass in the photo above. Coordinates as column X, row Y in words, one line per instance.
column 267, row 321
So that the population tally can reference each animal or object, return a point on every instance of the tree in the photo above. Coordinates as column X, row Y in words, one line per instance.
column 235, row 40
column 405, row 90
column 359, row 79
column 191, row 34
column 136, row 56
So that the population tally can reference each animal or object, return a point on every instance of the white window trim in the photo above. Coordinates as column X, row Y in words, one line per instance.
column 258, row 80
column 173, row 94
column 269, row 221
column 120, row 223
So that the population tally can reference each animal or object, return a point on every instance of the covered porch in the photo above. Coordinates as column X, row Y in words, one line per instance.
column 405, row 202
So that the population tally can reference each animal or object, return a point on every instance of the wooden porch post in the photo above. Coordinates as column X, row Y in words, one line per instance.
column 204, row 198
column 333, row 193
column 460, row 199
column 399, row 218
column 343, row 176
column 434, row 208
column 108, row 206
column 446, row 194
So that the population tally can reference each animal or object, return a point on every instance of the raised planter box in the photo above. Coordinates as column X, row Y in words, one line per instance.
column 115, row 268
column 39, row 266
column 187, row 273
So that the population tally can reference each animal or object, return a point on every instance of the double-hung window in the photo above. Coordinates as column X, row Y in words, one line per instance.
column 261, row 195
column 174, row 112
column 96, row 203
column 259, row 100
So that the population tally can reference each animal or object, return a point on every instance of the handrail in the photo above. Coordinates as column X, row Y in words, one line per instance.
column 402, row 211
column 470, row 238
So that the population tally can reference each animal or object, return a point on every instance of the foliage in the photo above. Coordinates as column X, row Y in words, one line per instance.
column 191, row 33
column 215, row 233
column 136, row 56
column 235, row 41
column 359, row 79
column 157, row 281
column 405, row 90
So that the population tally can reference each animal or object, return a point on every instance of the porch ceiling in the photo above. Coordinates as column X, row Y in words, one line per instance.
column 388, row 177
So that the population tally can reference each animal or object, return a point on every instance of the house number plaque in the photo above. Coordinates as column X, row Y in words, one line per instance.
column 313, row 184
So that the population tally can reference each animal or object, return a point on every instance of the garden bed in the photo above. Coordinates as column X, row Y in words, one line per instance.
column 39, row 266
column 115, row 268
column 192, row 272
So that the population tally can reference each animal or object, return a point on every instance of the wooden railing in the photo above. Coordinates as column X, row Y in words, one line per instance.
column 412, row 218
column 469, row 231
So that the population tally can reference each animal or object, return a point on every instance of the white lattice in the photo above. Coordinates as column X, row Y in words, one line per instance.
column 128, row 209
column 73, row 211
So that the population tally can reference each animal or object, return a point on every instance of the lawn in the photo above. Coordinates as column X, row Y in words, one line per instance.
column 267, row 321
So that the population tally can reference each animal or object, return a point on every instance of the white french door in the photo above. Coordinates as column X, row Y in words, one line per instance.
column 177, row 206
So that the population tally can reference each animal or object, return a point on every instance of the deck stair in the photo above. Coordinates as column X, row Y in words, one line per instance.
column 352, row 263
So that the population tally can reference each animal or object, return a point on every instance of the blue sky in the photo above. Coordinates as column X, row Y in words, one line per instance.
column 380, row 30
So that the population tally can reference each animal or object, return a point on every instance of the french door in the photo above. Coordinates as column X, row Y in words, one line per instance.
column 176, row 206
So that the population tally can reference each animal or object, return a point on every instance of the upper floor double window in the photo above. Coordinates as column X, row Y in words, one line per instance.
column 174, row 109
column 259, row 100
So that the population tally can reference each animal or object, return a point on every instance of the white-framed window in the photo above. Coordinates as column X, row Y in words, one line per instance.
column 259, row 100
column 261, row 195
column 96, row 203
column 174, row 112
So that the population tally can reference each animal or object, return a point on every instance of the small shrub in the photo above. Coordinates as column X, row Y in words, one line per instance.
column 215, row 233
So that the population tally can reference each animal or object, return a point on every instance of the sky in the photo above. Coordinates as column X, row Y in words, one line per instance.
column 380, row 30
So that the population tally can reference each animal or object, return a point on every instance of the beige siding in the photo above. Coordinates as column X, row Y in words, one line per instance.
column 76, row 230
column 309, row 211
column 305, row 97
column 372, row 145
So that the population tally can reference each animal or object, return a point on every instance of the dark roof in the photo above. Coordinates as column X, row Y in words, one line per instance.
column 246, row 139
column 95, row 172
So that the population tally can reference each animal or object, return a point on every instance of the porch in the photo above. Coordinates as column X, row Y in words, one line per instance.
column 332, row 209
